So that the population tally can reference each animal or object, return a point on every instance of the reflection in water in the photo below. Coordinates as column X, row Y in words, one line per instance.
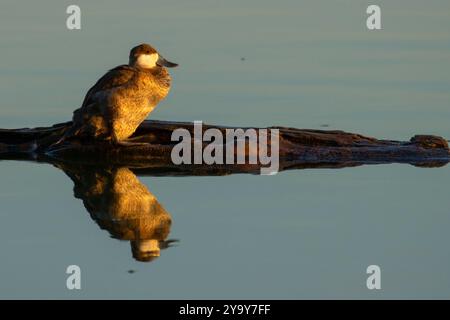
column 118, row 202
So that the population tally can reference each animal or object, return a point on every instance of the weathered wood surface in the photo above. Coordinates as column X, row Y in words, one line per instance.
column 298, row 149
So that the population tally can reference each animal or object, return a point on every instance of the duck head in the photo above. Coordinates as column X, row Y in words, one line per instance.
column 146, row 57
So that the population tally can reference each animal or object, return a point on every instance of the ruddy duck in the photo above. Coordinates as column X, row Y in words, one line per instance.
column 120, row 100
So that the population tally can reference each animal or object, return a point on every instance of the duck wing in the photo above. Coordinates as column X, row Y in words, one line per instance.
column 113, row 78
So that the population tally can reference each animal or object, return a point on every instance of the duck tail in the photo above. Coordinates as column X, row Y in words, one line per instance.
column 71, row 132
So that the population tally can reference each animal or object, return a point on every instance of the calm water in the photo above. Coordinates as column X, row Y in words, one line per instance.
column 299, row 234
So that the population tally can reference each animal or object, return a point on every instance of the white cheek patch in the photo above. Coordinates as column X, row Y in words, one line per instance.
column 151, row 245
column 147, row 60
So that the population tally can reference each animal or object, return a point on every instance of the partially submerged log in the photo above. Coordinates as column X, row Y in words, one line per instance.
column 298, row 148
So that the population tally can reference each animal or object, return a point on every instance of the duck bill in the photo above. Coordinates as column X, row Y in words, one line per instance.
column 164, row 63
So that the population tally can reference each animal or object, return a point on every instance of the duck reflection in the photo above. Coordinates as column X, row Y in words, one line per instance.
column 118, row 202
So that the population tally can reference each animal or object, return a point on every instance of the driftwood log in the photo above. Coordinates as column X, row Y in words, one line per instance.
column 298, row 149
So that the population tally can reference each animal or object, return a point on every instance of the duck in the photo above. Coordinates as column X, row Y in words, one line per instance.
column 123, row 98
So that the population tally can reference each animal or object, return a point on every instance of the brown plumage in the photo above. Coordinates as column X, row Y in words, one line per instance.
column 120, row 100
